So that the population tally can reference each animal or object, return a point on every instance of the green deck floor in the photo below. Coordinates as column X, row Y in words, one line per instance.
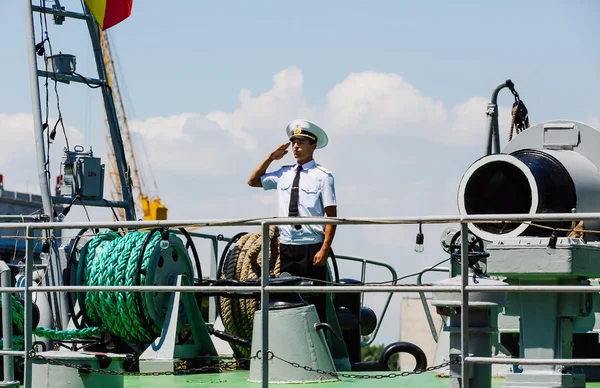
column 240, row 379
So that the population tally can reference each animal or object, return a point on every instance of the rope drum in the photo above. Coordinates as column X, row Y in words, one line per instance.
column 243, row 261
column 135, row 259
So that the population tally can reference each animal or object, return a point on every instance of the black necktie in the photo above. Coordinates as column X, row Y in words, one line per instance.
column 294, row 197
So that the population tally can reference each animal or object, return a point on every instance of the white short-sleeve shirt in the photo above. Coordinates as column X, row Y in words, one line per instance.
column 316, row 192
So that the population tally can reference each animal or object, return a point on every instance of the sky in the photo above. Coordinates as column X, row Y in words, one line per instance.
column 401, row 88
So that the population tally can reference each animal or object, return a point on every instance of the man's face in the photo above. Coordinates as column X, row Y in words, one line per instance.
column 302, row 149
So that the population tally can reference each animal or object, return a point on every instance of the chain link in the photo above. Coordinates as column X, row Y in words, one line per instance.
column 457, row 360
column 223, row 366
column 180, row 367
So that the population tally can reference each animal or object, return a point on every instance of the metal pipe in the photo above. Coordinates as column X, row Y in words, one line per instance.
column 62, row 77
column 207, row 236
column 37, row 109
column 492, row 121
column 424, row 300
column 464, row 311
column 43, row 174
column 257, row 289
column 288, row 289
column 58, row 12
column 363, row 276
column 7, row 325
column 28, row 339
column 214, row 255
column 12, row 289
column 17, row 353
column 13, row 218
column 565, row 289
column 532, row 361
column 264, row 304
column 479, row 218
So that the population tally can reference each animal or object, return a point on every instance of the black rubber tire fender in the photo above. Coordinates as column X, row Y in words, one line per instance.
column 403, row 347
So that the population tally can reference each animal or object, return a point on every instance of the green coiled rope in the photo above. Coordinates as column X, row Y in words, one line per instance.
column 113, row 260
column 18, row 318
column 110, row 259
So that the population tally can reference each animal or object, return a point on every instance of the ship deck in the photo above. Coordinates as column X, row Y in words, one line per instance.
column 237, row 379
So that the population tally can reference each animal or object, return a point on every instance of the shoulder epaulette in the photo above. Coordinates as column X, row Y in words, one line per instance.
column 326, row 171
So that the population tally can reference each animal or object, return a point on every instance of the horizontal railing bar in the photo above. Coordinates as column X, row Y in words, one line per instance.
column 271, row 289
column 62, row 77
column 16, row 218
column 59, row 12
column 12, row 353
column 532, row 361
column 485, row 218
column 567, row 289
column 290, row 289
column 12, row 289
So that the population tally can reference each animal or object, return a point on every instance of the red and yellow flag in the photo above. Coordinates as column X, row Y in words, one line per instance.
column 109, row 12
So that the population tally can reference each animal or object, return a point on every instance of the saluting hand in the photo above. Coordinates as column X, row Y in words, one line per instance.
column 280, row 151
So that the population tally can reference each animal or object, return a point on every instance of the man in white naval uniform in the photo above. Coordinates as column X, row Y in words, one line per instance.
column 304, row 189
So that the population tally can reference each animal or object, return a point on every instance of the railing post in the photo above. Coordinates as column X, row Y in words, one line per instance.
column 214, row 254
column 7, row 325
column 464, row 308
column 28, row 340
column 264, row 304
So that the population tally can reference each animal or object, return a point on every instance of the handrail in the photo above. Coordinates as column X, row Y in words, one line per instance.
column 265, row 289
column 478, row 218
column 363, row 275
column 424, row 300
column 291, row 289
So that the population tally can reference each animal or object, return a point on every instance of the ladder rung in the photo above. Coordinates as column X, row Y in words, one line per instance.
column 69, row 78
column 59, row 12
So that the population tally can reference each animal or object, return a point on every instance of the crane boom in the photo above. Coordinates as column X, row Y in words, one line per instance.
column 152, row 208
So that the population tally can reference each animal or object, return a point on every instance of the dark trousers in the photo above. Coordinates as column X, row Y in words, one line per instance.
column 297, row 260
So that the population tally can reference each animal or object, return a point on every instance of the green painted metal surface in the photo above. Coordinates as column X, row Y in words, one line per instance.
column 237, row 379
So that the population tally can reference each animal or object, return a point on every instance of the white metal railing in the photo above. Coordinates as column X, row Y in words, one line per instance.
column 265, row 288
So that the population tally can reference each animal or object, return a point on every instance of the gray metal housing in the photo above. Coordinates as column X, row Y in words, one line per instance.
column 572, row 144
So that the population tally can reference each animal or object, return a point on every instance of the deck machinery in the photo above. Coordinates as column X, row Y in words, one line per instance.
column 552, row 167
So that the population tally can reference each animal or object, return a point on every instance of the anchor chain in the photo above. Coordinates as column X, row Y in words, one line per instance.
column 222, row 366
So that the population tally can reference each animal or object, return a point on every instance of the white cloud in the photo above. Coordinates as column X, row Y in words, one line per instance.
column 189, row 144
column 381, row 103
column 377, row 103
column 18, row 161
column 270, row 110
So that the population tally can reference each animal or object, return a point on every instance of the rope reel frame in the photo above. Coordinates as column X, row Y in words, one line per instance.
column 163, row 268
column 189, row 244
column 75, row 269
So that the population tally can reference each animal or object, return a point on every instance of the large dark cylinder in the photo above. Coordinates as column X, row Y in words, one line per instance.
column 348, row 314
column 528, row 181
